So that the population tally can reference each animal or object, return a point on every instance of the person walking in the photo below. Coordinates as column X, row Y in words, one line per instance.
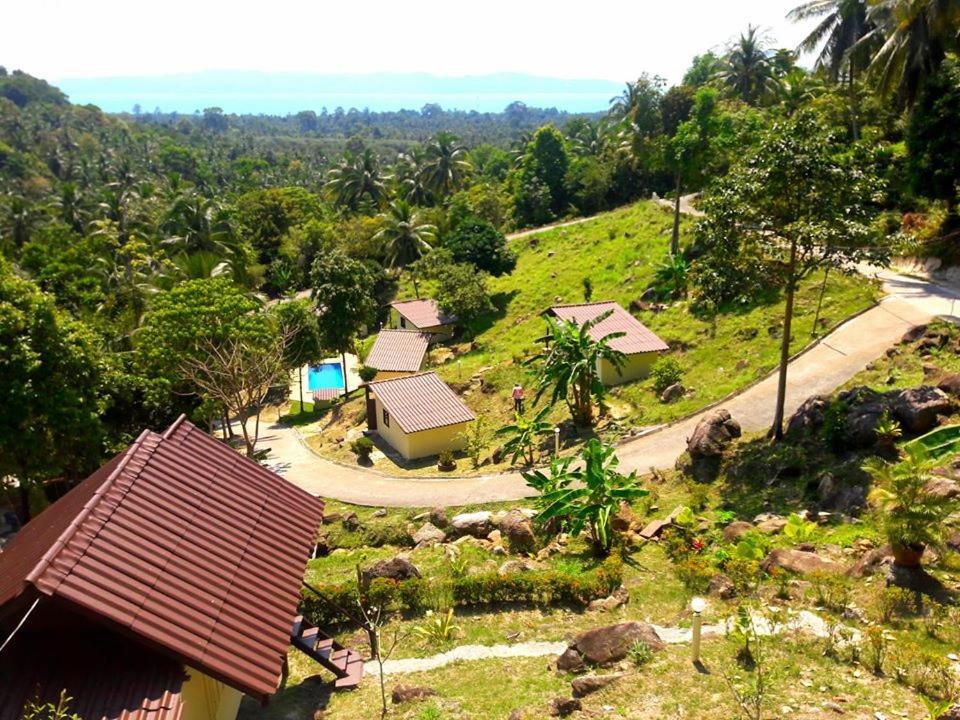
column 518, row 398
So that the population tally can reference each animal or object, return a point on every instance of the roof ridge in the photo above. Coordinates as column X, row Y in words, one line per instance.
column 587, row 304
column 70, row 531
column 168, row 433
column 407, row 377
column 402, row 330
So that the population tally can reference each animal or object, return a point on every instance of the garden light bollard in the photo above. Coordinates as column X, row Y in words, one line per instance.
column 556, row 441
column 698, row 605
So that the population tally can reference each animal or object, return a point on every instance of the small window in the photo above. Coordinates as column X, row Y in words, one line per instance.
column 403, row 322
column 386, row 418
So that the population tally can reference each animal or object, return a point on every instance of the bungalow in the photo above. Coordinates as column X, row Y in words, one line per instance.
column 418, row 415
column 163, row 587
column 639, row 344
column 398, row 352
column 422, row 315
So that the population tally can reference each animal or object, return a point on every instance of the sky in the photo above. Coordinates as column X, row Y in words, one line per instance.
column 597, row 39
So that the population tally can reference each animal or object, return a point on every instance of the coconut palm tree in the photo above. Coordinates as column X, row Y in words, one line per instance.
column 569, row 366
column 444, row 165
column 747, row 70
column 838, row 43
column 358, row 179
column 916, row 36
column 405, row 238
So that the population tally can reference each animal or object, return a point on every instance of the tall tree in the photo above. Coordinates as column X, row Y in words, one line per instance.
column 405, row 237
column 358, row 180
column 837, row 42
column 343, row 293
column 798, row 204
column 444, row 166
column 297, row 321
column 747, row 70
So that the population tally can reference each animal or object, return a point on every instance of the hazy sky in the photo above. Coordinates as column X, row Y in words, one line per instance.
column 601, row 39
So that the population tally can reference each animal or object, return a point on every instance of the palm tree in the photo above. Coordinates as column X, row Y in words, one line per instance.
column 569, row 366
column 444, row 165
column 358, row 179
column 916, row 36
column 405, row 238
column 837, row 40
column 747, row 70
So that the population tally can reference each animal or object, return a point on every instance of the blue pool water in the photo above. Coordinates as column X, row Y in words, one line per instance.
column 325, row 376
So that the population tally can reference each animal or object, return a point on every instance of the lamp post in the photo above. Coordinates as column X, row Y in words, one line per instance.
column 556, row 441
column 698, row 605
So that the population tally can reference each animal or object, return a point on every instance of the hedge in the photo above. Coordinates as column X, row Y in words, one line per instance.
column 537, row 587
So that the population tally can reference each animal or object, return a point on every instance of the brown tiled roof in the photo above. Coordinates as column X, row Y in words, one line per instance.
column 398, row 351
column 107, row 677
column 638, row 337
column 423, row 313
column 421, row 402
column 181, row 542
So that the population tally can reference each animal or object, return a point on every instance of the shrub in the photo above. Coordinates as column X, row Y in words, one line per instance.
column 834, row 431
column 486, row 588
column 362, row 447
column 666, row 372
column 367, row 373
column 479, row 243
column 640, row 653
column 830, row 590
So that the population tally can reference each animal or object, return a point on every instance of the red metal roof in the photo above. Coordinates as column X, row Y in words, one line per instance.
column 106, row 677
column 183, row 543
column 398, row 351
column 421, row 402
column 423, row 313
column 638, row 337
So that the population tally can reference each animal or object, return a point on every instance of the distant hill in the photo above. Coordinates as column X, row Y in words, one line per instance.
column 281, row 93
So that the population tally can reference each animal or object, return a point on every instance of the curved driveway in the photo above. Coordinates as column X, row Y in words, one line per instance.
column 821, row 369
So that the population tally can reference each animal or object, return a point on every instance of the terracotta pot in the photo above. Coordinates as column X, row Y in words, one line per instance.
column 907, row 555
column 447, row 467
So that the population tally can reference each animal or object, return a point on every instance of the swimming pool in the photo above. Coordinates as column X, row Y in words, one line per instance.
column 325, row 376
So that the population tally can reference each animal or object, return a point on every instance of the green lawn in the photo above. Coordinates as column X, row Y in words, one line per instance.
column 619, row 252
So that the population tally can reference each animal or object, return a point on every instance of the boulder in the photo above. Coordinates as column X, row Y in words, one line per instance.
column 951, row 714
column 589, row 684
column 610, row 644
column 735, row 529
column 511, row 567
column 351, row 521
column 871, row 561
column 407, row 693
column 475, row 524
column 428, row 534
column 619, row 597
column 517, row 528
column 950, row 384
column 623, row 519
column 913, row 334
column 396, row 569
column 672, row 392
column 942, row 488
column 800, row 562
column 917, row 408
column 808, row 418
column 382, row 512
column 713, row 435
column 438, row 517
column 722, row 587
column 771, row 524
column 561, row 706
column 330, row 518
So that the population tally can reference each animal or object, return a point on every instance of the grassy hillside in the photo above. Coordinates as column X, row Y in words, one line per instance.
column 619, row 252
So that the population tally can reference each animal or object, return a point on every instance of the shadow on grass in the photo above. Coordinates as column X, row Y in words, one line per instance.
column 311, row 414
column 300, row 700
column 501, row 301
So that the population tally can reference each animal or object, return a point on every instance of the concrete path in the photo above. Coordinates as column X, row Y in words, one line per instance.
column 824, row 367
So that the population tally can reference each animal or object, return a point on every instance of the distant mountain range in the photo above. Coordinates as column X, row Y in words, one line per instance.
column 281, row 93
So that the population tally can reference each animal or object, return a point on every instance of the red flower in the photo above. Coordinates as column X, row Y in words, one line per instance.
column 697, row 544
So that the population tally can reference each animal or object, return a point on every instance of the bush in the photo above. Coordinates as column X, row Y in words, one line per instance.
column 640, row 653
column 666, row 372
column 367, row 373
column 834, row 432
column 362, row 447
column 479, row 243
column 486, row 588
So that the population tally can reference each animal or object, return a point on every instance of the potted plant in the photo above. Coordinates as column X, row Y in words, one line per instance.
column 912, row 519
column 445, row 461
column 362, row 447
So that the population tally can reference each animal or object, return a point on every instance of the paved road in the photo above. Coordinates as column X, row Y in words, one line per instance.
column 827, row 365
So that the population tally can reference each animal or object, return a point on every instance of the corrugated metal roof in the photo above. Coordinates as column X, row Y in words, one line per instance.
column 421, row 402
column 106, row 677
column 638, row 337
column 398, row 351
column 185, row 543
column 423, row 313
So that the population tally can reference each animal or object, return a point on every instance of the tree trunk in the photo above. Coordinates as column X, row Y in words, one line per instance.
column 300, row 375
column 854, row 105
column 675, row 237
column 823, row 290
column 776, row 430
column 343, row 365
column 24, row 491
column 416, row 285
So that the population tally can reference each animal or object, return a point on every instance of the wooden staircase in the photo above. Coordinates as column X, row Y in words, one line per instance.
column 346, row 664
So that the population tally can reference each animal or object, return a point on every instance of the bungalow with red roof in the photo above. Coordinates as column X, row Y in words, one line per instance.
column 165, row 586
column 423, row 315
column 398, row 352
column 639, row 344
column 418, row 415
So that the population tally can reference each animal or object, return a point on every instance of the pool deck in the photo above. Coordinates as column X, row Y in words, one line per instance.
column 353, row 379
